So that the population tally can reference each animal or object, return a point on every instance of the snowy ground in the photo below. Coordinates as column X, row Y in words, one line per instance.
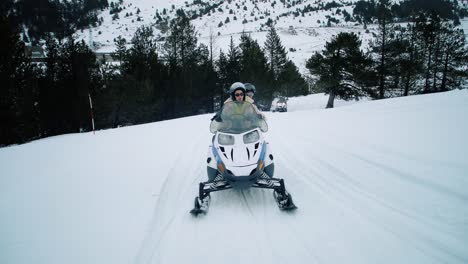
column 375, row 182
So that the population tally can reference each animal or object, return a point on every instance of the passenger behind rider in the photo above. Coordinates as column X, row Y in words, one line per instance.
column 250, row 90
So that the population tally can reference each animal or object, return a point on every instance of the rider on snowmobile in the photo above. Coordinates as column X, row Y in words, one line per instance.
column 241, row 90
column 237, row 93
column 239, row 156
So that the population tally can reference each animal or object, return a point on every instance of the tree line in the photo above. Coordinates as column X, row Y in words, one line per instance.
column 366, row 11
column 62, row 18
column 150, row 82
column 426, row 55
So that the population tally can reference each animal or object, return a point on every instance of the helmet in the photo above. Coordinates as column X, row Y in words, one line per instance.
column 236, row 86
column 249, row 87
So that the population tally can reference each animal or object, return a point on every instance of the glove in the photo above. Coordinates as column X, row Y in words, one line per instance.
column 217, row 118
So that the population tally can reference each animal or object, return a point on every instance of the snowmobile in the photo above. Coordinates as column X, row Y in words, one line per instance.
column 239, row 157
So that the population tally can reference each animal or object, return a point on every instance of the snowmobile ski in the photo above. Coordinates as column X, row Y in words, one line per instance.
column 284, row 201
column 201, row 206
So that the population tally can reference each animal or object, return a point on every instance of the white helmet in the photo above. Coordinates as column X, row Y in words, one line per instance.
column 249, row 87
column 236, row 86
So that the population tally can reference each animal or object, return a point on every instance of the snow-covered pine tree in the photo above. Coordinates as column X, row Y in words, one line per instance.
column 340, row 67
column 275, row 53
column 233, row 62
column 254, row 66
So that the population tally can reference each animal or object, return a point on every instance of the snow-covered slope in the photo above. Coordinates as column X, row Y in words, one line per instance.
column 301, row 35
column 375, row 182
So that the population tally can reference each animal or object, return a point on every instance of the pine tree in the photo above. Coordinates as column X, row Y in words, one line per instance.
column 291, row 81
column 454, row 58
column 340, row 68
column 112, row 98
column 79, row 76
column 384, row 17
column 233, row 62
column 410, row 61
column 403, row 64
column 148, row 74
column 142, row 55
column 18, row 95
column 206, row 79
column 50, row 92
column 223, row 73
column 180, row 50
column 121, row 52
column 254, row 67
column 275, row 52
column 429, row 28
column 181, row 43
column 364, row 11
column 277, row 59
column 72, row 75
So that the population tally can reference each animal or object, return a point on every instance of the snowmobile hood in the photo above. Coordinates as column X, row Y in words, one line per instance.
column 240, row 150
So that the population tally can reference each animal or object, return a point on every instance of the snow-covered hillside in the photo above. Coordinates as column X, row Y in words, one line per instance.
column 375, row 182
column 301, row 35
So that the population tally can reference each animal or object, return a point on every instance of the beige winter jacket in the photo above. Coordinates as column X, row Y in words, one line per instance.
column 250, row 100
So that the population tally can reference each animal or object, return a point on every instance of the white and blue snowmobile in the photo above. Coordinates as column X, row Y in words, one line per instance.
column 239, row 157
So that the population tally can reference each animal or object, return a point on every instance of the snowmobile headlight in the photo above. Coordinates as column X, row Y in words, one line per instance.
column 251, row 137
column 224, row 139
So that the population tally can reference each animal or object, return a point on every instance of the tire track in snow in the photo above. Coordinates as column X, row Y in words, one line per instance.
column 163, row 218
column 290, row 165
column 413, row 234
column 353, row 184
column 413, row 179
column 343, row 194
column 347, row 193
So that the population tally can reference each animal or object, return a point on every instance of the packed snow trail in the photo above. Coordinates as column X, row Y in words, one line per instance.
column 375, row 182
column 361, row 200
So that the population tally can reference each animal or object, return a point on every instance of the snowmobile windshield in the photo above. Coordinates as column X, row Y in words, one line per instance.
column 237, row 118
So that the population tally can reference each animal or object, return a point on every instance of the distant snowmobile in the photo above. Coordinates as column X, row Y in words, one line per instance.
column 239, row 157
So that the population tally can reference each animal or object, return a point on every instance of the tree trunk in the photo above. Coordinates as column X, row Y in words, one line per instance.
column 382, row 77
column 443, row 85
column 407, row 84
column 436, row 62
column 428, row 69
column 382, row 62
column 331, row 99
